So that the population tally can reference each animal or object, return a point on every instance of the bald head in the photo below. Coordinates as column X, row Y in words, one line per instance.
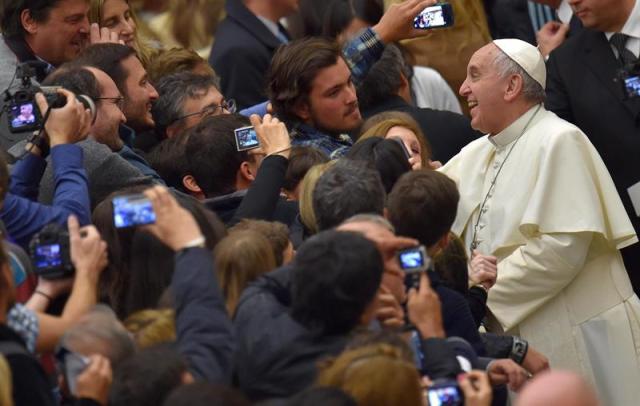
column 558, row 388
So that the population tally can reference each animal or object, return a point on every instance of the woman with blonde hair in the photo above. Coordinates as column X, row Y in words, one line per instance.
column 307, row 215
column 119, row 17
column 240, row 258
column 374, row 375
column 403, row 126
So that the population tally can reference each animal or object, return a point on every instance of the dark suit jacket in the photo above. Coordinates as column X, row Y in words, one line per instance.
column 241, row 55
column 581, row 88
column 447, row 132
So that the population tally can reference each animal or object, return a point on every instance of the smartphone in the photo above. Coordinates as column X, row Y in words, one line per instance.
column 632, row 86
column 71, row 364
column 132, row 210
column 436, row 16
column 415, row 342
column 246, row 138
column 445, row 393
column 414, row 260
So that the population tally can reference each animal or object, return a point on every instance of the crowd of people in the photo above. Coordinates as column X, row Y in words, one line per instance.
column 278, row 202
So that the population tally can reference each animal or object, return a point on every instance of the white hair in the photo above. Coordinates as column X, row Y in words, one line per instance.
column 531, row 89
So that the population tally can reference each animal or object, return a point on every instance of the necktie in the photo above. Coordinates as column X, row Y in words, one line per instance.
column 625, row 56
column 282, row 36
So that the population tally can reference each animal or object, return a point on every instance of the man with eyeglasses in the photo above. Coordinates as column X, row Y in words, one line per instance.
column 185, row 99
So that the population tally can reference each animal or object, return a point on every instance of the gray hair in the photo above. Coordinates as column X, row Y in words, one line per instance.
column 531, row 89
column 100, row 329
column 173, row 90
column 371, row 218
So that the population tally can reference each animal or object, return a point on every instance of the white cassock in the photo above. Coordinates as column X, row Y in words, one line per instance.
column 555, row 222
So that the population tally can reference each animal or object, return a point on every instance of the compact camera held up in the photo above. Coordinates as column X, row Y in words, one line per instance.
column 50, row 252
column 21, row 106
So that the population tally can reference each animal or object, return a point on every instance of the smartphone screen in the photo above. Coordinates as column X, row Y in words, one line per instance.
column 445, row 395
column 437, row 16
column 246, row 138
column 132, row 210
column 47, row 256
column 414, row 260
column 632, row 85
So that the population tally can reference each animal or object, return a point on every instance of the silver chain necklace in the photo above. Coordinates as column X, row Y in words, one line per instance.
column 474, row 240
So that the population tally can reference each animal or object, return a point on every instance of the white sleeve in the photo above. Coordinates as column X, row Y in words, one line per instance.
column 535, row 273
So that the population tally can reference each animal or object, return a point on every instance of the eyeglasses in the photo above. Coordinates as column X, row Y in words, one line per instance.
column 212, row 110
column 118, row 101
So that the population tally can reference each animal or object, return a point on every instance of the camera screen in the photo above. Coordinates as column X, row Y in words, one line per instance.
column 23, row 115
column 430, row 17
column 129, row 211
column 246, row 138
column 47, row 256
column 632, row 84
column 411, row 259
column 444, row 396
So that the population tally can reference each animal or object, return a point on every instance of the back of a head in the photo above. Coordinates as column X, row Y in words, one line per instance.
column 423, row 205
column 346, row 189
column 240, row 258
column 169, row 159
column 100, row 332
column 147, row 378
column 386, row 155
column 384, row 79
column 374, row 375
column 140, row 266
column 173, row 91
column 205, row 394
column 11, row 22
column 335, row 277
column 341, row 13
column 275, row 232
column 174, row 60
column 108, row 58
column 152, row 327
column 293, row 68
column 75, row 79
column 213, row 154
column 557, row 388
column 321, row 396
column 305, row 202
column 301, row 160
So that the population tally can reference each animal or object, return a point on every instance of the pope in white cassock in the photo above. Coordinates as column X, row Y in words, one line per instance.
column 535, row 194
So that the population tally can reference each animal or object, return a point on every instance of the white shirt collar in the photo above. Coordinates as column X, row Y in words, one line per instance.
column 273, row 27
column 514, row 130
column 632, row 26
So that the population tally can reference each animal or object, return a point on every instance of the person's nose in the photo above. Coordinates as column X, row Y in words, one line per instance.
column 465, row 90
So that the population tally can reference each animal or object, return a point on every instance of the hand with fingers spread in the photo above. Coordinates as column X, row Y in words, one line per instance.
column 103, row 35
column 506, row 371
column 483, row 269
column 68, row 124
column 174, row 226
column 88, row 250
column 397, row 23
column 476, row 388
column 95, row 381
column 390, row 313
column 425, row 310
column 272, row 134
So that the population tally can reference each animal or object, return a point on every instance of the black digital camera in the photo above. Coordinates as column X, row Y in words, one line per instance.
column 50, row 253
column 24, row 114
column 629, row 78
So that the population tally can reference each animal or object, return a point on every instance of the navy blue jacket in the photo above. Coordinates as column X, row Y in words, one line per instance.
column 203, row 328
column 21, row 213
column 241, row 55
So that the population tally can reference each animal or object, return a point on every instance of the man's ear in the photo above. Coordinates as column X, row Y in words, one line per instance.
column 302, row 110
column 189, row 183
column 246, row 173
column 28, row 23
column 514, row 88
column 172, row 130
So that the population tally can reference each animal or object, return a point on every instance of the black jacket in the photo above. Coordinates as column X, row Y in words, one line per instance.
column 241, row 55
column 447, row 132
column 261, row 201
column 582, row 89
column 30, row 383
